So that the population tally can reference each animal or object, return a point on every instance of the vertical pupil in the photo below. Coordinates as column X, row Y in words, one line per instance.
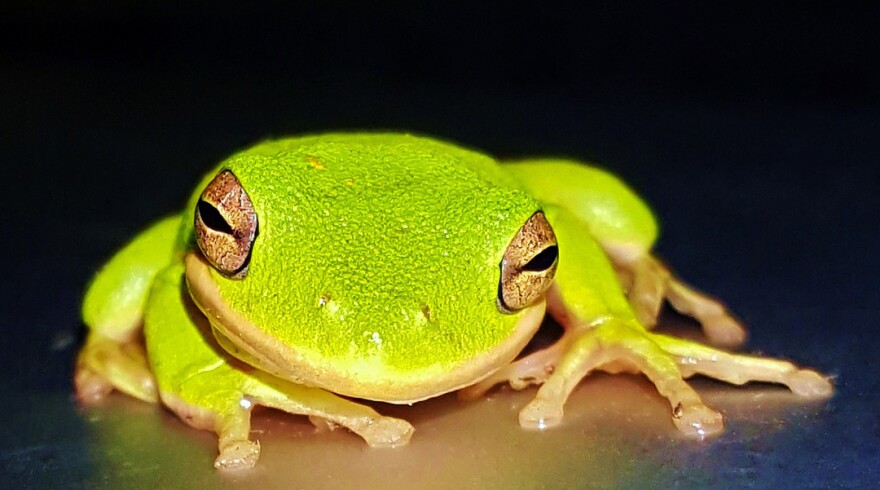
column 212, row 218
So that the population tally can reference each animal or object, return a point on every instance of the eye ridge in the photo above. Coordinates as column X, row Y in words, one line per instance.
column 544, row 260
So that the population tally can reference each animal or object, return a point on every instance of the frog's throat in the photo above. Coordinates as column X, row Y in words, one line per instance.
column 247, row 342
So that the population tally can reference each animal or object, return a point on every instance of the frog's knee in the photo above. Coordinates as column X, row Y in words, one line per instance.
column 614, row 213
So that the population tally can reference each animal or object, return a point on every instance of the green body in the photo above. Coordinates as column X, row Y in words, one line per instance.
column 377, row 255
column 376, row 266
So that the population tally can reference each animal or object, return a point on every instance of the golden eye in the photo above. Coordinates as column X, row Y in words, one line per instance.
column 226, row 225
column 528, row 266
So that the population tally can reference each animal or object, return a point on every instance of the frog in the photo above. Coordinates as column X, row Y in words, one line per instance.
column 317, row 274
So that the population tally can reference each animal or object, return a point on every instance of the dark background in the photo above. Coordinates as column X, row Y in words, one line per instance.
column 754, row 132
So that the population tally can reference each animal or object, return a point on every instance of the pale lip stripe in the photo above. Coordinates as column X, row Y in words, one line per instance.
column 266, row 354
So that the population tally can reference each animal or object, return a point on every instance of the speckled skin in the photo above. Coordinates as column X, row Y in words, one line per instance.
column 375, row 275
column 616, row 215
column 390, row 244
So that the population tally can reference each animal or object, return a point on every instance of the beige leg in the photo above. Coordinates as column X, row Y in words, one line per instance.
column 718, row 325
column 737, row 369
column 612, row 343
column 530, row 370
column 652, row 282
column 375, row 429
column 221, row 400
column 104, row 364
column 237, row 451
column 648, row 290
column 607, row 346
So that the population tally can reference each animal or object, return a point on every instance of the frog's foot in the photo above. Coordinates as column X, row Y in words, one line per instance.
column 237, row 451
column 648, row 282
column 614, row 345
column 227, row 412
column 105, row 364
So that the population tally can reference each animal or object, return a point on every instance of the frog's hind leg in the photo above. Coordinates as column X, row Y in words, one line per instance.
column 113, row 356
column 694, row 358
column 106, row 364
column 624, row 225
column 649, row 282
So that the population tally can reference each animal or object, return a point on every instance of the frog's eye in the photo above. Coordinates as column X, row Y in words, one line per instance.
column 226, row 225
column 528, row 265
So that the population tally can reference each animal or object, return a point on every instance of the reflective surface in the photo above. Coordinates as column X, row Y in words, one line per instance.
column 755, row 140
column 617, row 432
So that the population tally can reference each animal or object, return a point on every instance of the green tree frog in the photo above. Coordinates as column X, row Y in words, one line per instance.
column 308, row 273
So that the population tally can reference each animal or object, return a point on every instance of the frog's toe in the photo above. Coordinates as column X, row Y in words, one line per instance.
column 377, row 431
column 90, row 386
column 387, row 432
column 697, row 420
column 652, row 282
column 721, row 328
column 694, row 358
column 321, row 424
column 327, row 410
column 235, row 455
column 725, row 331
column 542, row 413
column 532, row 369
column 810, row 384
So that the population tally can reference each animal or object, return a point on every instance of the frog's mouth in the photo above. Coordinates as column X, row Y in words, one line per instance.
column 247, row 342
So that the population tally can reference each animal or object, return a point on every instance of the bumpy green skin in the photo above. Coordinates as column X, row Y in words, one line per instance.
column 114, row 301
column 377, row 264
column 614, row 213
column 377, row 257
column 186, row 363
column 377, row 254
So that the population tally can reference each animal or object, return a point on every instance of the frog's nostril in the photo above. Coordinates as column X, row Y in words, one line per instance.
column 426, row 312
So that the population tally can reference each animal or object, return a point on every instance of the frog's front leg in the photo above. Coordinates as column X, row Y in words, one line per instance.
column 113, row 356
column 210, row 390
column 608, row 343
column 625, row 227
column 221, row 398
column 601, row 332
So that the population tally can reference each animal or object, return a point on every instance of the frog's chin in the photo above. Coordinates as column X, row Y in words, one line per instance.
column 247, row 342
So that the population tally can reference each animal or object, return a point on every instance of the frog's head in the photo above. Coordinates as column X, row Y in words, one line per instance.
column 386, row 267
